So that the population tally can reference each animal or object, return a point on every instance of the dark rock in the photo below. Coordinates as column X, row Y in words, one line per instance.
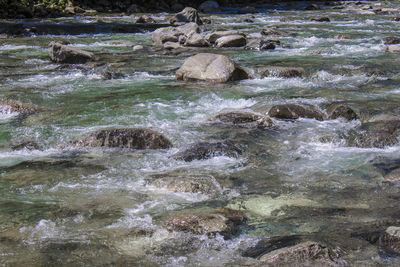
column 188, row 14
column 283, row 72
column 188, row 183
column 272, row 31
column 212, row 37
column 11, row 106
column 247, row 10
column 369, row 139
column 340, row 110
column 205, row 150
column 209, row 7
column 60, row 53
column 135, row 138
column 313, row 7
column 145, row 19
column 396, row 19
column 391, row 239
column 321, row 19
column 391, row 40
column 304, row 254
column 292, row 112
column 267, row 245
column 242, row 118
column 210, row 67
column 231, row 41
column 342, row 37
column 24, row 144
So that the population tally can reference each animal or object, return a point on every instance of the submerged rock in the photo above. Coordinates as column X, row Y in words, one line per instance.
column 188, row 183
column 292, row 112
column 304, row 254
column 188, row 14
column 205, row 150
column 267, row 245
column 11, row 106
column 60, row 53
column 340, row 110
column 370, row 139
column 135, row 138
column 210, row 67
column 242, row 118
column 391, row 239
column 283, row 72
column 231, row 41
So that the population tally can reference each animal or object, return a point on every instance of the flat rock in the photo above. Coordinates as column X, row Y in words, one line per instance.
column 242, row 118
column 231, row 41
column 60, row 53
column 293, row 111
column 210, row 67
column 212, row 37
column 205, row 150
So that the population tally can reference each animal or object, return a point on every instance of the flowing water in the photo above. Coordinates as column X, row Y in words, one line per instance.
column 63, row 206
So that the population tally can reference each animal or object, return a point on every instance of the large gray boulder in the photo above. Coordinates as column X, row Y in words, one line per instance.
column 60, row 53
column 210, row 67
column 231, row 41
column 188, row 14
column 173, row 34
column 196, row 40
column 209, row 7
column 293, row 111
column 134, row 138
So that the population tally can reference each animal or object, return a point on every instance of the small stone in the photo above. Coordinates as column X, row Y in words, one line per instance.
column 205, row 150
column 340, row 110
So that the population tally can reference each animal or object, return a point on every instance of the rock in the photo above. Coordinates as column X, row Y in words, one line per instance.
column 212, row 37
column 282, row 72
column 342, row 37
column 205, row 150
column 304, row 254
column 24, row 144
column 188, row 14
column 391, row 239
column 370, row 139
column 171, row 45
column 188, row 28
column 188, row 183
column 138, row 48
column 210, row 67
column 292, row 112
column 267, row 245
column 145, row 19
column 247, row 10
column 321, row 19
column 391, row 40
column 172, row 34
column 313, row 7
column 90, row 12
column 393, row 176
column 242, row 118
column 272, row 31
column 196, row 40
column 11, row 106
column 261, row 44
column 340, row 110
column 201, row 224
column 134, row 9
column 396, row 19
column 60, row 53
column 231, row 41
column 209, row 7
column 135, row 138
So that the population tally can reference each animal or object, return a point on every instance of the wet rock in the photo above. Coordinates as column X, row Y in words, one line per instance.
column 209, row 7
column 135, row 138
column 196, row 40
column 261, row 44
column 173, row 34
column 304, row 254
column 272, row 31
column 393, row 176
column 236, row 216
column 340, row 110
column 145, row 19
column 138, row 48
column 171, row 45
column 283, row 72
column 292, row 112
column 313, row 7
column 391, row 40
column 60, row 53
column 395, row 48
column 11, row 106
column 267, row 245
column 369, row 139
column 231, row 41
column 321, row 19
column 391, row 239
column 24, row 144
column 188, row 14
column 201, row 224
column 188, row 183
column 212, row 37
column 242, row 118
column 247, row 10
column 396, row 19
column 210, row 67
column 205, row 150
column 342, row 37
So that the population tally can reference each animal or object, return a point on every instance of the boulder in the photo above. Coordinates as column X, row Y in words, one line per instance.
column 205, row 150
column 60, row 53
column 209, row 7
column 212, row 37
column 282, row 72
column 188, row 184
column 395, row 48
column 196, row 40
column 261, row 44
column 11, row 106
column 391, row 239
column 304, row 254
column 313, row 7
column 231, row 41
column 321, row 19
column 391, row 40
column 208, row 224
column 145, row 19
column 171, row 45
column 265, row 246
column 172, row 34
column 272, row 31
column 340, row 110
column 188, row 14
column 210, row 67
column 292, row 112
column 134, row 138
column 370, row 139
column 242, row 118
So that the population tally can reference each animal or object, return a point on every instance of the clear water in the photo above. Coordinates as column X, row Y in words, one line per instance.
column 96, row 207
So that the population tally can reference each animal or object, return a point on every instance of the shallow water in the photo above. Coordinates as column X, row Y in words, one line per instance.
column 60, row 205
